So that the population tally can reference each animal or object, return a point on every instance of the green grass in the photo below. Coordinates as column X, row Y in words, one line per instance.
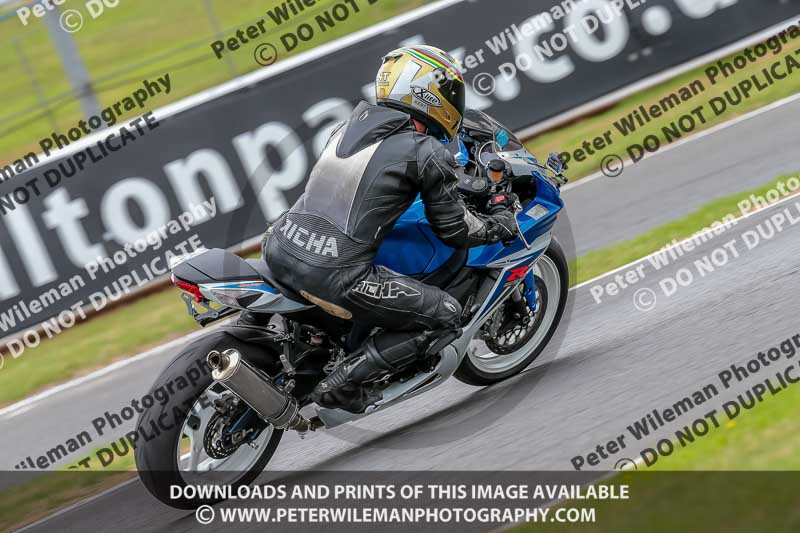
column 597, row 262
column 148, row 322
column 117, row 333
column 571, row 137
column 132, row 328
column 50, row 491
column 125, row 463
column 44, row 495
column 136, row 40
column 108, row 44
column 110, row 336
column 764, row 438
column 739, row 477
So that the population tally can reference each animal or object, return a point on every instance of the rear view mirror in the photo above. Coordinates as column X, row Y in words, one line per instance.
column 554, row 163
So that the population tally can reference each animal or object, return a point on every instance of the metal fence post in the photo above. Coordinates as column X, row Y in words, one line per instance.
column 73, row 64
column 35, row 85
column 218, row 33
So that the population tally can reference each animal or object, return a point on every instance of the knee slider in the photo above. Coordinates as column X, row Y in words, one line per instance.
column 451, row 311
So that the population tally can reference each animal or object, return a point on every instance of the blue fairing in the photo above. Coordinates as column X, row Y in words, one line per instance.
column 545, row 206
column 413, row 248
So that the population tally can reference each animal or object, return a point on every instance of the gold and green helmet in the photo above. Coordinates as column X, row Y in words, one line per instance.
column 426, row 82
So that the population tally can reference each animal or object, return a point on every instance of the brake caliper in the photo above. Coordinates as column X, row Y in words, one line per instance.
column 233, row 424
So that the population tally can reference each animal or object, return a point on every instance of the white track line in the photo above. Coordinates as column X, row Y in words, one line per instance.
column 210, row 94
column 679, row 243
column 637, row 462
column 77, row 505
column 248, row 80
column 391, row 24
column 28, row 403
column 697, row 136
column 655, row 79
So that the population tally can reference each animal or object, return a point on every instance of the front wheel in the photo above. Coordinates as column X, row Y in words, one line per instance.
column 204, row 435
column 513, row 344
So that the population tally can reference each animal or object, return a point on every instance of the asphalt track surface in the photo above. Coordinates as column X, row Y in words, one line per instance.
column 611, row 363
column 675, row 183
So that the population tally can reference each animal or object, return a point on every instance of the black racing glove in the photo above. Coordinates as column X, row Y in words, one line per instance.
column 502, row 225
column 502, row 218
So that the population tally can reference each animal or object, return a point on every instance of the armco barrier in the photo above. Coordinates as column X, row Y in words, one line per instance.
column 251, row 143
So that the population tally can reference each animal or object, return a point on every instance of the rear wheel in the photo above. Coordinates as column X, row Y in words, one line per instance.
column 514, row 342
column 204, row 435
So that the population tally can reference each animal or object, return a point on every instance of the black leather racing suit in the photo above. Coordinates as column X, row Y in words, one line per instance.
column 370, row 173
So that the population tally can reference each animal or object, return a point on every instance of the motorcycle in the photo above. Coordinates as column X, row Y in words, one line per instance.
column 224, row 425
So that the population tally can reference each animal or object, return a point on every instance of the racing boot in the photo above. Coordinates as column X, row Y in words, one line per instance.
column 347, row 386
column 385, row 354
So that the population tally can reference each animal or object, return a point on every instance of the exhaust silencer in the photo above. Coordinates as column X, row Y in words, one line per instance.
column 271, row 402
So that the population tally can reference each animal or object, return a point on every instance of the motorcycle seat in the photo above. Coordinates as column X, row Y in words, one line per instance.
column 262, row 268
column 265, row 272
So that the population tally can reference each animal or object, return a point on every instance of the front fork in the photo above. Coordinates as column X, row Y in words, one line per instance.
column 530, row 290
column 524, row 296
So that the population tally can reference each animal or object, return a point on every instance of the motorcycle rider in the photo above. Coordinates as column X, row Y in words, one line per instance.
column 369, row 174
